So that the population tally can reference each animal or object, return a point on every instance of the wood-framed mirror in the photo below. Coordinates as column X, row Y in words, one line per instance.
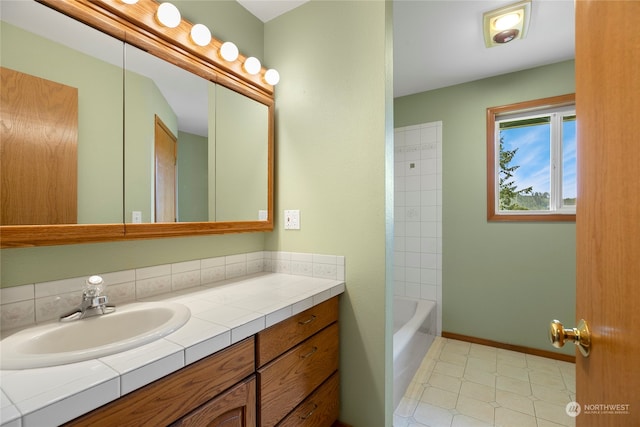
column 221, row 212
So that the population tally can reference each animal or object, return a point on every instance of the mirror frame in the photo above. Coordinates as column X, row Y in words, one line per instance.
column 135, row 24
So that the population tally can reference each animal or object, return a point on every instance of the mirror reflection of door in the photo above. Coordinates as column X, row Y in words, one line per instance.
column 39, row 145
column 165, row 172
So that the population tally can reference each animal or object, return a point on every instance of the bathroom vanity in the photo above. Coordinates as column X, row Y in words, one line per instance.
column 295, row 384
column 258, row 350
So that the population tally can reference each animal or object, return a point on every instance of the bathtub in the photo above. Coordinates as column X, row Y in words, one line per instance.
column 414, row 329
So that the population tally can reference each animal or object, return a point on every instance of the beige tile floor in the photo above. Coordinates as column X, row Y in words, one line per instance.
column 460, row 384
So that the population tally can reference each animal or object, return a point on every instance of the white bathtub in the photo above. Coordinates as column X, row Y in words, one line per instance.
column 414, row 329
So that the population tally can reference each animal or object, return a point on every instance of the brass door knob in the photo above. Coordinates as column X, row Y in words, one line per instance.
column 580, row 336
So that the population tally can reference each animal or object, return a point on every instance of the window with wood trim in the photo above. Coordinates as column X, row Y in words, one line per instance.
column 531, row 160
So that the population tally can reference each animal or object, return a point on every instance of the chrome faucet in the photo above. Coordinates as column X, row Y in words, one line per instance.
column 93, row 303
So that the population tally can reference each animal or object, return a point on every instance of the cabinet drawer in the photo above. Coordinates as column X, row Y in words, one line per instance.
column 280, row 337
column 167, row 399
column 320, row 409
column 288, row 380
column 234, row 408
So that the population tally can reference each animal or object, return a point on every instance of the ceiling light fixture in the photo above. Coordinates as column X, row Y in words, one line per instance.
column 506, row 24
column 168, row 15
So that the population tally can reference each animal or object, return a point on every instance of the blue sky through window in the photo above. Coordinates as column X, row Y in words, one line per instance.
column 533, row 154
column 569, row 159
column 533, row 143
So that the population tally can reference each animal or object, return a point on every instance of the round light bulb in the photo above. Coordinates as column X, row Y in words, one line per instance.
column 252, row 65
column 130, row 1
column 229, row 51
column 200, row 35
column 272, row 77
column 168, row 15
column 507, row 21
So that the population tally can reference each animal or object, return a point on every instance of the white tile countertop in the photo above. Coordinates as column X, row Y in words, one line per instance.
column 221, row 315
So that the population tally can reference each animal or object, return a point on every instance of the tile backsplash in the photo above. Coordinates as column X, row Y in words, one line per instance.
column 39, row 302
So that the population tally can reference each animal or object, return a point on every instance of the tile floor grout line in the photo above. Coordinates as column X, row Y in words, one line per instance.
column 475, row 402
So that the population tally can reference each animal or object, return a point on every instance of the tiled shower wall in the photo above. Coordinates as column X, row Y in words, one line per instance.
column 418, row 213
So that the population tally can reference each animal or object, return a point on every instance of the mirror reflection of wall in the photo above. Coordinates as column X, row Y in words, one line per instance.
column 40, row 42
column 241, row 156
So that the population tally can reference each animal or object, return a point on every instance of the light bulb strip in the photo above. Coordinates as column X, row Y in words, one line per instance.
column 143, row 14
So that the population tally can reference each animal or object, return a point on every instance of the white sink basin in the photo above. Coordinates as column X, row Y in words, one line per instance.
column 58, row 343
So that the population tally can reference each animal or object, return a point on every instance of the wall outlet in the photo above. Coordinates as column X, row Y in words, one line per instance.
column 292, row 219
column 136, row 217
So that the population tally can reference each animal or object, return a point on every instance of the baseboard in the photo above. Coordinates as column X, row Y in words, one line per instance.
column 518, row 348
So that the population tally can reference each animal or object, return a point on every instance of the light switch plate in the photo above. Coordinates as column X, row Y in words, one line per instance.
column 292, row 219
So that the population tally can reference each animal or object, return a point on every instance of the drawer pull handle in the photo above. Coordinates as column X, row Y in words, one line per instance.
column 306, row 322
column 304, row 356
column 315, row 406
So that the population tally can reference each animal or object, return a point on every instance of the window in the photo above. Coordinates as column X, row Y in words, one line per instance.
column 531, row 161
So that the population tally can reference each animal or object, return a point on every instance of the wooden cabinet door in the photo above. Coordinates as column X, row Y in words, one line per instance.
column 166, row 156
column 234, row 408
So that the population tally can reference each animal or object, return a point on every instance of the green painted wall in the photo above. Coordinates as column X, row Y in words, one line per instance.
column 333, row 127
column 193, row 172
column 242, row 156
column 227, row 21
column 501, row 281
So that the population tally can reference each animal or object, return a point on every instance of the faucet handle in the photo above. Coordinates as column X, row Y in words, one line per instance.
column 94, row 286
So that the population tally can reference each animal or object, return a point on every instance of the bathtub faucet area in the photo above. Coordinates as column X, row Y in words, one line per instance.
column 93, row 302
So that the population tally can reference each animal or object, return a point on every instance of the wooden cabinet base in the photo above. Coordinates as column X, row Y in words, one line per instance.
column 168, row 399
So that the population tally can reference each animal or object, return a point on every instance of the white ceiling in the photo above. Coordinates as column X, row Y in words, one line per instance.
column 439, row 43
column 266, row 10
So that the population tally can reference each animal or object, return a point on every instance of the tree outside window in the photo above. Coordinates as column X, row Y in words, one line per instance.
column 531, row 161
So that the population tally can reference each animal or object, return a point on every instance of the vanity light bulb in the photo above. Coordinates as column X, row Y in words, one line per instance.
column 229, row 51
column 272, row 77
column 168, row 15
column 200, row 35
column 252, row 65
column 130, row 1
